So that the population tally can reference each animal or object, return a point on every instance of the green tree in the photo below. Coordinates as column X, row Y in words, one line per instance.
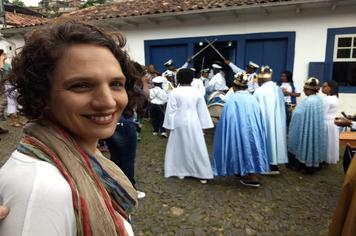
column 90, row 3
column 18, row 3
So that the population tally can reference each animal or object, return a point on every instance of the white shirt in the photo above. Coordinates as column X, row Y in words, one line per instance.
column 198, row 83
column 287, row 86
column 158, row 96
column 217, row 83
column 204, row 80
column 39, row 198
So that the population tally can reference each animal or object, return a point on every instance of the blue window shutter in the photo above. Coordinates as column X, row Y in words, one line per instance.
column 320, row 70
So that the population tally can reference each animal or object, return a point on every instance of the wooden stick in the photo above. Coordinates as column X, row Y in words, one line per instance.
column 217, row 51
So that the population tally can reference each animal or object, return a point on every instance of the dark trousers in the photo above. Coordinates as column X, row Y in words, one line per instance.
column 288, row 115
column 294, row 163
column 157, row 117
column 122, row 146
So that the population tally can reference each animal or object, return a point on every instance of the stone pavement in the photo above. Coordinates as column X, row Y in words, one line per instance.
column 288, row 204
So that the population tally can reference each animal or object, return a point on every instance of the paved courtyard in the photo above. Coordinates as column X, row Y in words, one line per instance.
column 288, row 204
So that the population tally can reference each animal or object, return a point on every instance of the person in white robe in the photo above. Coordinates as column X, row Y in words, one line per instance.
column 186, row 117
column 271, row 100
column 197, row 83
column 251, row 69
column 330, row 88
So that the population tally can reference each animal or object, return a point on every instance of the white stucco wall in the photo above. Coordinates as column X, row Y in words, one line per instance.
column 14, row 43
column 310, row 26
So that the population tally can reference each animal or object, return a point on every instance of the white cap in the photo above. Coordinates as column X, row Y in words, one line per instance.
column 205, row 70
column 253, row 65
column 169, row 62
column 158, row 79
column 216, row 66
column 193, row 69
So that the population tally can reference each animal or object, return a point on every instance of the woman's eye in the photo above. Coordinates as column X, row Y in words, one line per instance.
column 80, row 87
column 117, row 85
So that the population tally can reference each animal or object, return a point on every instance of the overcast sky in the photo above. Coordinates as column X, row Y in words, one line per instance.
column 31, row 2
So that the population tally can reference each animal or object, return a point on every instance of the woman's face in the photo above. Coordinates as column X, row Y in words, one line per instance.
column 88, row 93
column 284, row 77
column 326, row 88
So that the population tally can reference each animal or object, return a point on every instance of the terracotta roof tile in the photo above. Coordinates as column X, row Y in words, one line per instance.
column 151, row 7
column 18, row 19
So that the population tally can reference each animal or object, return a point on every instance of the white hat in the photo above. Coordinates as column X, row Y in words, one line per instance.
column 193, row 69
column 158, row 79
column 253, row 65
column 205, row 70
column 216, row 66
column 169, row 62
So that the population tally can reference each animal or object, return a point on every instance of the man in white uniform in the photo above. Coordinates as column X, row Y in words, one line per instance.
column 251, row 69
column 218, row 82
column 204, row 76
column 172, row 70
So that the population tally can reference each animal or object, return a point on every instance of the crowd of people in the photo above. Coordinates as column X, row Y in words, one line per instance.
column 260, row 124
column 72, row 189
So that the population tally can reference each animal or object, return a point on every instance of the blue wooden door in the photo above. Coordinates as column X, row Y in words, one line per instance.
column 159, row 54
column 272, row 52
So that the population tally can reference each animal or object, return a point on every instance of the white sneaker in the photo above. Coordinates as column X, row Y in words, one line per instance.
column 203, row 181
column 140, row 194
column 164, row 134
column 155, row 133
column 180, row 177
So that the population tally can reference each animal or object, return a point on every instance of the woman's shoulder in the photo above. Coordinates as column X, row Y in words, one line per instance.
column 34, row 189
column 22, row 173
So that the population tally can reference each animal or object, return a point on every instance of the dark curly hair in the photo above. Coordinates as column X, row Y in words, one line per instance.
column 334, row 88
column 33, row 67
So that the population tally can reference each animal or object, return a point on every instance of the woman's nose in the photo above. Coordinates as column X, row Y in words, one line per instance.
column 104, row 98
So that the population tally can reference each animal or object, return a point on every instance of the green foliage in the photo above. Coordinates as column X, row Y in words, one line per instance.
column 90, row 3
column 43, row 3
column 18, row 3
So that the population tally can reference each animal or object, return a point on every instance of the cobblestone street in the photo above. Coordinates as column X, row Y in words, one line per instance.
column 288, row 204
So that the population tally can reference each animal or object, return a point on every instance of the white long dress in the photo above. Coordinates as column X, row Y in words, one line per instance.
column 332, row 131
column 186, row 116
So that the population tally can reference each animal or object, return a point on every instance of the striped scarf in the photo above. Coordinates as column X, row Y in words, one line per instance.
column 102, row 195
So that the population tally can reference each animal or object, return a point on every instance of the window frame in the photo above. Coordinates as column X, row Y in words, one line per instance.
column 329, row 54
column 352, row 47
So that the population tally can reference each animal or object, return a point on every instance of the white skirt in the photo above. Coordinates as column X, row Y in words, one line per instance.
column 332, row 142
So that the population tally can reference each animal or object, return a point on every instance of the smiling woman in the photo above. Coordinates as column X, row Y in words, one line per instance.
column 73, row 81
